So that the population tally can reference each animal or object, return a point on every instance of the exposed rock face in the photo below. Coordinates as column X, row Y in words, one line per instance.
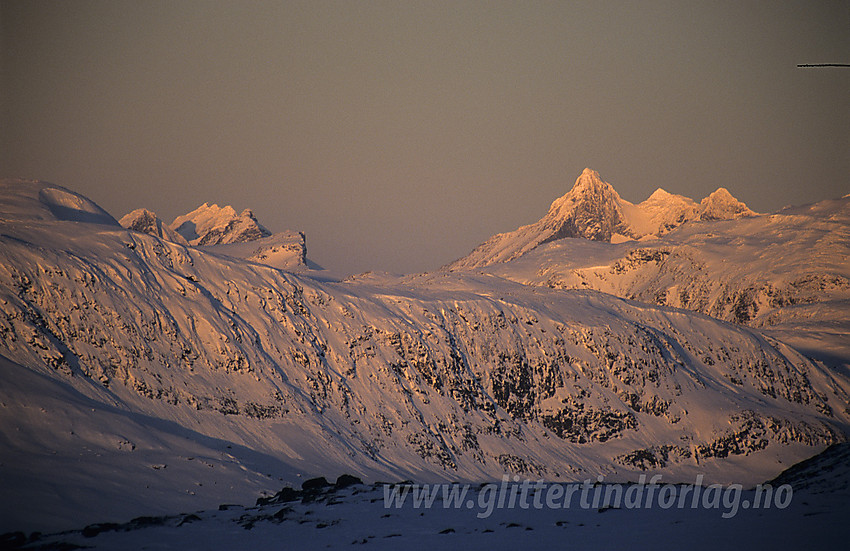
column 592, row 210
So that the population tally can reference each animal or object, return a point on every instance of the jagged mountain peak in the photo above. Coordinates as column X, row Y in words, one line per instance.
column 235, row 235
column 660, row 195
column 589, row 185
column 590, row 198
column 209, row 210
column 146, row 221
column 589, row 178
column 664, row 210
column 592, row 209
column 720, row 192
column 210, row 224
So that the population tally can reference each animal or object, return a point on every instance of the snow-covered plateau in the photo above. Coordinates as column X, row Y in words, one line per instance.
column 142, row 376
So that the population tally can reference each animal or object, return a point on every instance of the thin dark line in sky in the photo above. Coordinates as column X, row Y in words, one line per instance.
column 816, row 65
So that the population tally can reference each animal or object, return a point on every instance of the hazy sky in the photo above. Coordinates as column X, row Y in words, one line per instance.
column 399, row 135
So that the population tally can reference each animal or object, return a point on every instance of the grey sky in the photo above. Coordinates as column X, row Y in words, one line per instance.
column 399, row 135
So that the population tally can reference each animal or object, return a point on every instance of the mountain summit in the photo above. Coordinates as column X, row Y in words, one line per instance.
column 146, row 221
column 720, row 205
column 594, row 210
column 221, row 229
column 214, row 225
column 591, row 209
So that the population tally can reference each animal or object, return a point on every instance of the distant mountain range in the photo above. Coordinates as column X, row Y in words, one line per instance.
column 221, row 229
column 787, row 273
column 593, row 210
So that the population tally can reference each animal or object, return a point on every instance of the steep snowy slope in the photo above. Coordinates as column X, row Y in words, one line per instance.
column 145, row 221
column 592, row 209
column 73, row 452
column 214, row 225
column 787, row 273
column 435, row 377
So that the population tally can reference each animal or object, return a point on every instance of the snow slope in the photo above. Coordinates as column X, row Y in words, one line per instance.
column 267, row 375
column 334, row 517
column 283, row 250
column 592, row 209
column 29, row 202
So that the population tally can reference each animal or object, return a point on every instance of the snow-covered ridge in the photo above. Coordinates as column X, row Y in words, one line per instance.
column 593, row 209
column 222, row 230
column 30, row 201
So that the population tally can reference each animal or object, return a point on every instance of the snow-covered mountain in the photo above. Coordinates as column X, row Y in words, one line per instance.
column 592, row 209
column 146, row 221
column 214, row 225
column 221, row 230
column 720, row 205
column 787, row 273
column 174, row 375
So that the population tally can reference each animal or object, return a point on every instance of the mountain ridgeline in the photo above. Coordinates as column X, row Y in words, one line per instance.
column 786, row 273
column 222, row 230
column 593, row 210
column 451, row 375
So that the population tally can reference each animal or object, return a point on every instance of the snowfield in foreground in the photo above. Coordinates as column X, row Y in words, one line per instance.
column 339, row 516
